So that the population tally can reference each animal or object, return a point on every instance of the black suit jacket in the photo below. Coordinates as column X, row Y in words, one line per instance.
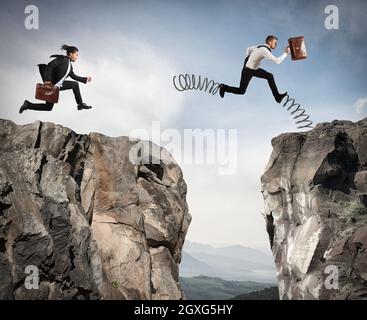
column 57, row 68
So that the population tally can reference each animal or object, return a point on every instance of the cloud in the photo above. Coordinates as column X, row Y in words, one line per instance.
column 360, row 104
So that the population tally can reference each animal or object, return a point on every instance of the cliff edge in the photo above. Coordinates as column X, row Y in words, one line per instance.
column 80, row 220
column 315, row 193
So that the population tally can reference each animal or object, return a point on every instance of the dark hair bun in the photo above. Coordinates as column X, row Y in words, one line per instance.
column 69, row 49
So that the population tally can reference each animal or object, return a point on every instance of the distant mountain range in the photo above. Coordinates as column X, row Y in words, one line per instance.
column 211, row 288
column 270, row 293
column 229, row 263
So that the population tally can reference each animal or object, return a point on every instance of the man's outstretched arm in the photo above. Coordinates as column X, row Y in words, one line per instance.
column 77, row 78
column 277, row 60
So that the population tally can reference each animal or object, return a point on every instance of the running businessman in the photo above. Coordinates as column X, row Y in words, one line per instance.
column 251, row 68
column 55, row 73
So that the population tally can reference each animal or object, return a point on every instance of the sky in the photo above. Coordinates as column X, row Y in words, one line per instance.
column 132, row 50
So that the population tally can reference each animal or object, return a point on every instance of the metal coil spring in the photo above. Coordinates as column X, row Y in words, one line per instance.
column 188, row 82
column 299, row 113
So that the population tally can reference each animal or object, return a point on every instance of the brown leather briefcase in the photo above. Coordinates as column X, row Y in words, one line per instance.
column 298, row 48
column 47, row 92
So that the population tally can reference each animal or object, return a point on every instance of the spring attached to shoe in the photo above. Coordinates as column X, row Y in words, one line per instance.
column 189, row 82
column 184, row 82
column 299, row 113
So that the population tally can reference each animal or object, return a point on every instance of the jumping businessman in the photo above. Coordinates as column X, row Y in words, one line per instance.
column 55, row 73
column 251, row 68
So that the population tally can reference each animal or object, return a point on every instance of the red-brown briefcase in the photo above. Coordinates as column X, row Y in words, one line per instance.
column 47, row 92
column 298, row 48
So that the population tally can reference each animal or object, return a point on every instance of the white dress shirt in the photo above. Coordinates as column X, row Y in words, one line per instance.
column 59, row 84
column 258, row 54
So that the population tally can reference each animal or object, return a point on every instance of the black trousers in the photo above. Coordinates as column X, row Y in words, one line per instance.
column 66, row 85
column 246, row 76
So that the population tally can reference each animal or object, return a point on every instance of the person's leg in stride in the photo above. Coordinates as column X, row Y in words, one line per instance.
column 66, row 85
column 74, row 85
column 48, row 105
column 246, row 76
column 261, row 73
column 36, row 106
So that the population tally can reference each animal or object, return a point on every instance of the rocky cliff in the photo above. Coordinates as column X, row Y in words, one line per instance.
column 80, row 220
column 315, row 193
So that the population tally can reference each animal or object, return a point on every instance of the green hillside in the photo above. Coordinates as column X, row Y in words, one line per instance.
column 271, row 293
column 203, row 287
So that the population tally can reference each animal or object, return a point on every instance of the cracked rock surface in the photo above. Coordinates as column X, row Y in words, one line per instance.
column 99, row 217
column 315, row 193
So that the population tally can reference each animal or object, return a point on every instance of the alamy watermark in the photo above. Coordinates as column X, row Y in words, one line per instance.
column 31, row 281
column 32, row 19
column 331, row 282
column 332, row 20
column 193, row 146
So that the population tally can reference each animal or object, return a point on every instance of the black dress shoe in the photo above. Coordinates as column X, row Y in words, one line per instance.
column 280, row 97
column 24, row 106
column 83, row 106
column 221, row 90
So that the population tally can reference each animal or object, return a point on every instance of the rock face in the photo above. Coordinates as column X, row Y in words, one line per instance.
column 315, row 193
column 88, row 216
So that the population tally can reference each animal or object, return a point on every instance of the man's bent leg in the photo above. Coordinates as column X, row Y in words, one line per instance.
column 40, row 106
column 261, row 73
column 246, row 76
column 66, row 85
